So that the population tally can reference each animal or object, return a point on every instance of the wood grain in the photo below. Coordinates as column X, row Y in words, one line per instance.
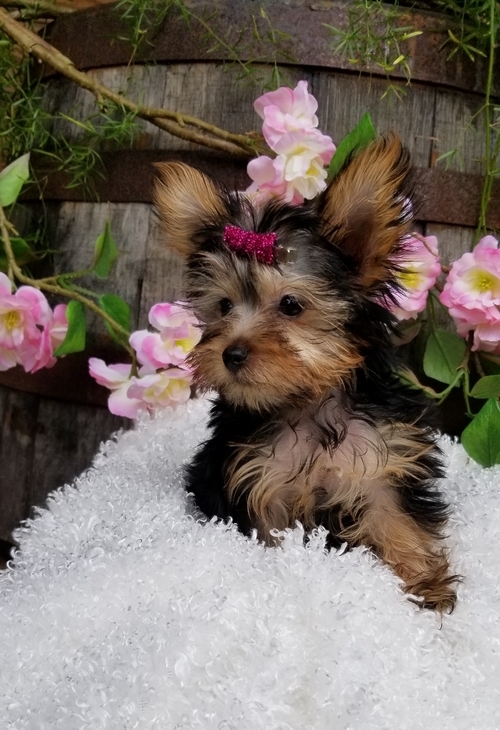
column 44, row 443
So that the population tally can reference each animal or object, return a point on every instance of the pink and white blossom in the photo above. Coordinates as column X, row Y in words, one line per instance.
column 286, row 110
column 21, row 313
column 23, row 317
column 472, row 295
column 166, row 388
column 160, row 382
column 178, row 334
column 421, row 267
column 171, row 316
column 58, row 326
column 52, row 336
column 117, row 378
column 298, row 172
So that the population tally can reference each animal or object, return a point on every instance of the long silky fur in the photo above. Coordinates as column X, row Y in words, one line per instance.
column 314, row 425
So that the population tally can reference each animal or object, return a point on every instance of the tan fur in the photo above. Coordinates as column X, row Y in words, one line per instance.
column 289, row 357
column 186, row 199
column 412, row 553
column 295, row 477
column 361, row 205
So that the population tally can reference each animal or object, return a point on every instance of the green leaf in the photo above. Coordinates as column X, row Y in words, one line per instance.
column 75, row 336
column 407, row 36
column 487, row 387
column 105, row 253
column 119, row 310
column 23, row 253
column 443, row 354
column 12, row 178
column 359, row 138
column 481, row 438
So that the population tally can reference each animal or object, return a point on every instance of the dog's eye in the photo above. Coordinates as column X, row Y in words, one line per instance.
column 225, row 306
column 290, row 306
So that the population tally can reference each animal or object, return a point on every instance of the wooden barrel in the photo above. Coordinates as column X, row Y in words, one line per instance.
column 53, row 422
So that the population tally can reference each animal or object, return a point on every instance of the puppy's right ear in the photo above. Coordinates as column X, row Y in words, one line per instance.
column 187, row 201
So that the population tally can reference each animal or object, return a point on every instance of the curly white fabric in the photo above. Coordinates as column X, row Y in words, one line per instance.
column 123, row 611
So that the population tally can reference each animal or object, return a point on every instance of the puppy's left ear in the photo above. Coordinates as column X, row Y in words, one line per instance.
column 366, row 209
column 187, row 200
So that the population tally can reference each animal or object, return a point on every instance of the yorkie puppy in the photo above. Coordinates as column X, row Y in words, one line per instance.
column 311, row 422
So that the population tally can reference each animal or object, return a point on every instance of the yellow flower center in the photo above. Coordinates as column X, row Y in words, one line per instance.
column 410, row 279
column 11, row 320
column 483, row 281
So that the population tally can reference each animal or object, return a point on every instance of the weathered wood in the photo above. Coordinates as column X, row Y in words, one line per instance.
column 344, row 98
column 18, row 418
column 67, row 437
column 98, row 39
column 44, row 443
column 453, row 240
column 76, row 231
column 163, row 274
column 459, row 124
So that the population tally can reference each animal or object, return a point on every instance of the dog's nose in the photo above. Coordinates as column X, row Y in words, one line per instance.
column 234, row 357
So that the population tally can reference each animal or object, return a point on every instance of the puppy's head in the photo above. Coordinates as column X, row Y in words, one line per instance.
column 295, row 327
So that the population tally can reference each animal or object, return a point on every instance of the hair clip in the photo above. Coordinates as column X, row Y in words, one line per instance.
column 260, row 245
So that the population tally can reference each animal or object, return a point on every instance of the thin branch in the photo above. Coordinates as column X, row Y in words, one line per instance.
column 479, row 367
column 237, row 145
column 54, row 288
column 44, row 8
column 490, row 157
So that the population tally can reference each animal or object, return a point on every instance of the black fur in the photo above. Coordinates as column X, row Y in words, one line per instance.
column 376, row 392
column 343, row 399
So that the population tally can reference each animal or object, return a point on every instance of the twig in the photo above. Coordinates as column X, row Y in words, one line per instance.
column 44, row 8
column 237, row 145
column 479, row 367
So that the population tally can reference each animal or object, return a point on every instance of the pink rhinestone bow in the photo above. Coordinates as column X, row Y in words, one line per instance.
column 260, row 245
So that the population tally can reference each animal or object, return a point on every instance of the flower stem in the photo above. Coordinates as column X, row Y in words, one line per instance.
column 466, row 391
column 490, row 156
column 71, row 275
column 479, row 367
column 54, row 288
column 39, row 7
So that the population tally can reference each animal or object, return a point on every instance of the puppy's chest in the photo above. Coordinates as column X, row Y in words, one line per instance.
column 316, row 457
column 328, row 448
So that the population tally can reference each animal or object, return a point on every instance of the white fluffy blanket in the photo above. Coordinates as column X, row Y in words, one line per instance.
column 122, row 611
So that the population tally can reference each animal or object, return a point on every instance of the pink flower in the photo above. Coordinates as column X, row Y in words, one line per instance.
column 159, row 383
column 178, row 334
column 165, row 388
column 168, row 316
column 286, row 110
column 116, row 378
column 297, row 173
column 23, row 316
column 58, row 326
column 472, row 294
column 420, row 262
column 8, row 358
column 268, row 176
column 52, row 336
